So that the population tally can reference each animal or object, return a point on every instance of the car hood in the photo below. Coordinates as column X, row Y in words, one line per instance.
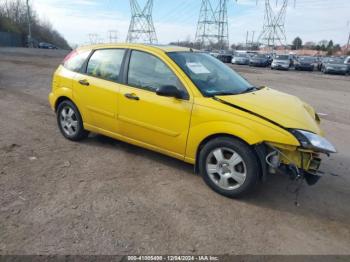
column 281, row 61
column 285, row 110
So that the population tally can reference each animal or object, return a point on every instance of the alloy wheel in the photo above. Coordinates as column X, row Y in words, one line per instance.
column 226, row 168
column 69, row 121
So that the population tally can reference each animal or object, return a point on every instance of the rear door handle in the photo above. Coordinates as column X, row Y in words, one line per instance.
column 132, row 97
column 84, row 82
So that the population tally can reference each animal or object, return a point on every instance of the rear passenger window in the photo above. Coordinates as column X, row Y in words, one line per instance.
column 106, row 64
column 75, row 60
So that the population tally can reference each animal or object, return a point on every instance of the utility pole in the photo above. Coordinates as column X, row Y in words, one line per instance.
column 348, row 44
column 141, row 29
column 246, row 39
column 251, row 44
column 30, row 42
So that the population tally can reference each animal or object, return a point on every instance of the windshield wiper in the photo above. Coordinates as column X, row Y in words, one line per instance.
column 249, row 89
column 224, row 94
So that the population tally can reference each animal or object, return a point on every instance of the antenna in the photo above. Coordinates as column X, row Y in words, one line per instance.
column 141, row 29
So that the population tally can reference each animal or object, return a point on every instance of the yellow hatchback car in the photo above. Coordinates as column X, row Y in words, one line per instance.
column 188, row 105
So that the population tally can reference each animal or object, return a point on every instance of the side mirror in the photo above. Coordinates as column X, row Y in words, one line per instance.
column 169, row 91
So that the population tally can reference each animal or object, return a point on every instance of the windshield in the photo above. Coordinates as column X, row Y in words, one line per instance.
column 335, row 61
column 211, row 76
column 259, row 56
column 241, row 55
column 282, row 57
column 307, row 59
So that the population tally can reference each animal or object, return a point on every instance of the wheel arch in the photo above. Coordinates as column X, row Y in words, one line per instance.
column 60, row 99
column 217, row 135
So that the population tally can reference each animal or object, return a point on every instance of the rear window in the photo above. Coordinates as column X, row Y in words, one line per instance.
column 75, row 60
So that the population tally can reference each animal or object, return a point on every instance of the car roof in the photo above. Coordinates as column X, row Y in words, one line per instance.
column 164, row 48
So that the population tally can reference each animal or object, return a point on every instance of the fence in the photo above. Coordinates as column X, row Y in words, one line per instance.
column 11, row 39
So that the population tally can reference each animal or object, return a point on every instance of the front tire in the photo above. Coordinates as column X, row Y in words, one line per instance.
column 229, row 166
column 70, row 121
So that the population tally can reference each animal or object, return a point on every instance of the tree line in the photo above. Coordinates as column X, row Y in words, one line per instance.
column 13, row 19
column 324, row 45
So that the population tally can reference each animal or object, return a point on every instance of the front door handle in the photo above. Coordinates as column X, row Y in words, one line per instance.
column 132, row 97
column 84, row 82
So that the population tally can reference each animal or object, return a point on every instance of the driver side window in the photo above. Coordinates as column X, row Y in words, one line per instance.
column 150, row 73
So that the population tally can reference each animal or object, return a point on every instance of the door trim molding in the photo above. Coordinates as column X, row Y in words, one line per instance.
column 102, row 112
column 148, row 126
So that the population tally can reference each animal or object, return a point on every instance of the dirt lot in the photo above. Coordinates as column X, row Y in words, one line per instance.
column 106, row 197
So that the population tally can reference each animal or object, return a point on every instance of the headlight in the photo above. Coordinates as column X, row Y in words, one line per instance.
column 310, row 140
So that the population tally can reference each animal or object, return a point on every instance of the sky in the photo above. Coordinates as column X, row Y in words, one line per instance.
column 174, row 20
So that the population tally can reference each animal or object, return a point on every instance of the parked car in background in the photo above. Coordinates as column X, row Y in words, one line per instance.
column 347, row 62
column 335, row 65
column 225, row 57
column 305, row 63
column 281, row 62
column 214, row 54
column 318, row 63
column 259, row 60
column 322, row 62
column 241, row 59
column 44, row 45
column 270, row 58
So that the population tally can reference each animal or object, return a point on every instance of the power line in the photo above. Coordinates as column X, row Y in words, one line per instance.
column 141, row 29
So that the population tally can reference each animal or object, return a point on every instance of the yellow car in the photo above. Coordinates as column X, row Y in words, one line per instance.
column 188, row 105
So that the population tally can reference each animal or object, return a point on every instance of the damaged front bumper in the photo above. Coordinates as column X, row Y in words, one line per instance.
column 296, row 162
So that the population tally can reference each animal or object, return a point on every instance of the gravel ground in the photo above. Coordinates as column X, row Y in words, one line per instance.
column 103, row 196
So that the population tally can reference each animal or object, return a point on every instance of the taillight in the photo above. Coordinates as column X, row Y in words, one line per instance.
column 69, row 56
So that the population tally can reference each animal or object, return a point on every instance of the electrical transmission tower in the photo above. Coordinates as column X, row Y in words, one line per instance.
column 113, row 36
column 141, row 29
column 212, row 24
column 273, row 32
column 222, row 20
column 93, row 38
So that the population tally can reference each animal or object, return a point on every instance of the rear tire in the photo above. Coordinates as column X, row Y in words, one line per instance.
column 70, row 122
column 229, row 166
